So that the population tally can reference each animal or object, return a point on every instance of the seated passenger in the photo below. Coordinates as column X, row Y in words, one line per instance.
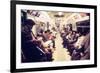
column 71, row 39
column 78, row 48
column 86, row 44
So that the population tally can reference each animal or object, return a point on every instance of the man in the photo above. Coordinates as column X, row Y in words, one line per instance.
column 86, row 44
column 29, row 44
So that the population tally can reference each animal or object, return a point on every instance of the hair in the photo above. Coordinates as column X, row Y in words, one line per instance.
column 30, row 22
column 47, row 31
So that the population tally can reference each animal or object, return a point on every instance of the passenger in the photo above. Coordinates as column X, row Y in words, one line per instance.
column 78, row 48
column 30, row 45
column 86, row 44
column 46, row 35
column 71, row 39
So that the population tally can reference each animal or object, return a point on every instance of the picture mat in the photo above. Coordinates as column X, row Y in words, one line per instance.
column 20, row 65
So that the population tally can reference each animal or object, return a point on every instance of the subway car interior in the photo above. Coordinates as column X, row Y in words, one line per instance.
column 50, row 36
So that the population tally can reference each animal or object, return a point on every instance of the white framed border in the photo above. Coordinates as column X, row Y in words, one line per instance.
column 20, row 65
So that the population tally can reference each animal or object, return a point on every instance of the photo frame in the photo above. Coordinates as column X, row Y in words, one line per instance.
column 22, row 10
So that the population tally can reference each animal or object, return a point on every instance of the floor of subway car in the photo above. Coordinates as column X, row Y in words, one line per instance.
column 60, row 53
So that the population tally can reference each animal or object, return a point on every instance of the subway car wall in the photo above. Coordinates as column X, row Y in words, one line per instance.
column 83, row 27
